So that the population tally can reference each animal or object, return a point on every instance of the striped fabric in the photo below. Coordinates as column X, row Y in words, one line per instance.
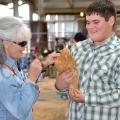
column 99, row 69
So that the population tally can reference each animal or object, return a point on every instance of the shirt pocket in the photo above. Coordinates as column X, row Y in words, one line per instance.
column 100, row 72
column 100, row 78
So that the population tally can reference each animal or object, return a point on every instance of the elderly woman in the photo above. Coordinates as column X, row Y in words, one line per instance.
column 18, row 92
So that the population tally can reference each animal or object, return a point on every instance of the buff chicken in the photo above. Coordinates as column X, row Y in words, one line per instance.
column 64, row 62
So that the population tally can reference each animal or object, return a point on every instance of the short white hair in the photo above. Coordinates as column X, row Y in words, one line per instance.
column 14, row 29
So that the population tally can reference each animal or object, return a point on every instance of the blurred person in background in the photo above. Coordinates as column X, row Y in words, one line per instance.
column 79, row 37
column 18, row 91
column 118, row 31
column 98, row 62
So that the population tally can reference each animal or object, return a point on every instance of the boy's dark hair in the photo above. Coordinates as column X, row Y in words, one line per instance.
column 79, row 37
column 104, row 8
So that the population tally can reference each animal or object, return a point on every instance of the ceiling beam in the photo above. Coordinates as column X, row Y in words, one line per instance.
column 63, row 10
column 67, row 10
column 5, row 2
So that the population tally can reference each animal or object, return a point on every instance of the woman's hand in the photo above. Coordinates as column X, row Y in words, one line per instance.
column 34, row 70
column 50, row 59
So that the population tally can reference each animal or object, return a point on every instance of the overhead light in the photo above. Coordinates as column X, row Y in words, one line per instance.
column 20, row 2
column 81, row 14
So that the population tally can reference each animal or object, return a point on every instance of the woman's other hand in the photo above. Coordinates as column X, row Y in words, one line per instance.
column 34, row 70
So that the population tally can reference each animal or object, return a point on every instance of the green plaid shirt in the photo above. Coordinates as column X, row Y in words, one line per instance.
column 99, row 69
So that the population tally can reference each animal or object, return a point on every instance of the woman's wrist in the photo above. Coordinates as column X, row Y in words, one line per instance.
column 44, row 66
column 44, row 63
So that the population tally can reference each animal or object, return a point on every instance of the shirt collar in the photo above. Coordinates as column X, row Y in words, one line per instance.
column 110, row 42
column 10, row 61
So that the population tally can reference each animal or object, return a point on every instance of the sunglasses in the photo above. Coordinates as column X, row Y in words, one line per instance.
column 22, row 44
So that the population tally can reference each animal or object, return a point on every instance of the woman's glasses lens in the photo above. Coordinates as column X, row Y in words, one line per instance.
column 22, row 44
